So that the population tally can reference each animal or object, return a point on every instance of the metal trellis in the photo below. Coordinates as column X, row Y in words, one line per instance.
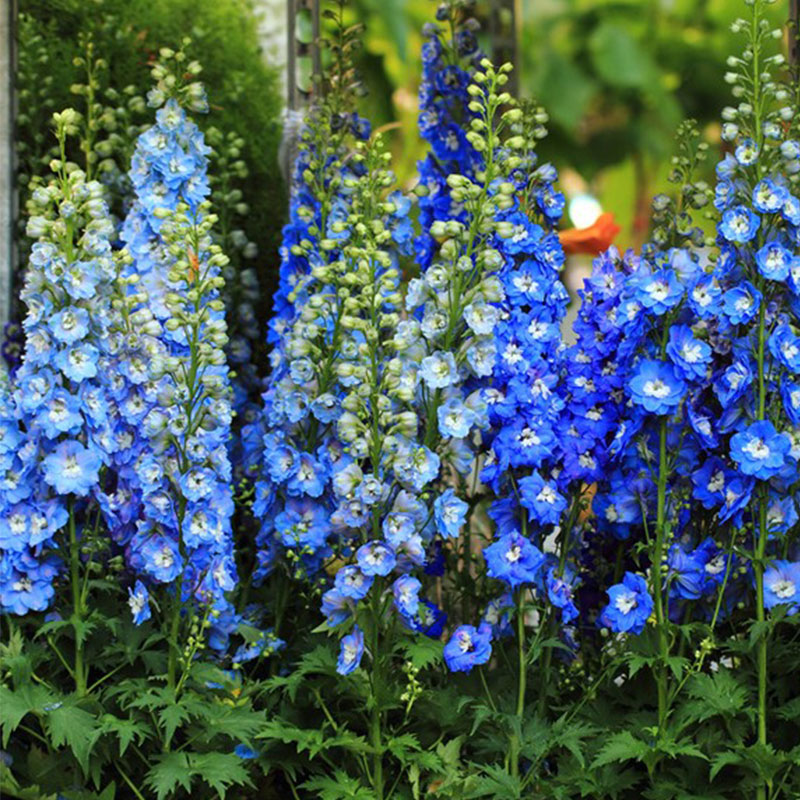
column 8, row 195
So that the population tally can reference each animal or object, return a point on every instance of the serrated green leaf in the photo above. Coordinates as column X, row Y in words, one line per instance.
column 171, row 717
column 220, row 771
column 496, row 783
column 339, row 786
column 726, row 759
column 76, row 728
column 170, row 771
column 718, row 693
column 622, row 746
column 126, row 731
column 15, row 704
column 424, row 652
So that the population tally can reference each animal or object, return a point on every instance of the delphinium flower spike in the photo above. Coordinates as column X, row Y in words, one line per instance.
column 56, row 413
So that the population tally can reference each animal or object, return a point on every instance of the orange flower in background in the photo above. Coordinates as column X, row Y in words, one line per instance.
column 592, row 240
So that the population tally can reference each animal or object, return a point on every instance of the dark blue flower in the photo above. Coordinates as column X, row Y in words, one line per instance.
column 468, row 647
column 629, row 607
column 513, row 559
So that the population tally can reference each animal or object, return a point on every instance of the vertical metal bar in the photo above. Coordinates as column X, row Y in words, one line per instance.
column 504, row 19
column 291, row 53
column 316, row 50
column 8, row 18
column 298, row 96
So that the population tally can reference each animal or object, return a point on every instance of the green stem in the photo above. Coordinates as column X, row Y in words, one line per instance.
column 522, row 680
column 174, row 628
column 658, row 555
column 375, row 728
column 758, row 564
column 79, row 671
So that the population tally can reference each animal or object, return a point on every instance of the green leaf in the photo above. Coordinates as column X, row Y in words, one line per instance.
column 15, row 704
column 171, row 771
column 76, row 728
column 126, row 730
column 726, row 759
column 220, row 771
column 715, row 694
column 622, row 746
column 171, row 717
column 424, row 652
column 563, row 89
column 340, row 786
column 619, row 59
column 495, row 783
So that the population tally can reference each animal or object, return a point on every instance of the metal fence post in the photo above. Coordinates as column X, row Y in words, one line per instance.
column 8, row 194
column 301, row 57
column 504, row 19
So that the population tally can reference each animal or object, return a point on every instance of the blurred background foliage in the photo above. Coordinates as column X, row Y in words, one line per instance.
column 244, row 91
column 616, row 76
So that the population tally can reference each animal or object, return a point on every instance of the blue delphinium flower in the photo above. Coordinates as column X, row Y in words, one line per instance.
column 739, row 224
column 629, row 607
column 139, row 602
column 179, row 531
column 513, row 559
column 406, row 594
column 468, row 647
column 450, row 513
column 655, row 386
column 351, row 651
column 56, row 412
column 782, row 585
column 760, row 450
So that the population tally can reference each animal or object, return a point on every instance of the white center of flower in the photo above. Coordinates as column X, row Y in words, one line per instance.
column 715, row 565
column 512, row 354
column 528, row 438
column 537, row 329
column 136, row 602
column 739, row 223
column 658, row 290
column 547, row 495
column 701, row 297
column 790, row 350
column 757, row 448
column 717, row 482
column 72, row 469
column 744, row 303
column 784, row 588
column 691, row 352
column 349, row 652
column 23, row 585
column 626, row 602
column 17, row 523
column 164, row 559
column 612, row 515
column 525, row 283
column 514, row 554
column 656, row 388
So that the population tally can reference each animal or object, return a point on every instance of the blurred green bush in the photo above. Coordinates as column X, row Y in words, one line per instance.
column 243, row 91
